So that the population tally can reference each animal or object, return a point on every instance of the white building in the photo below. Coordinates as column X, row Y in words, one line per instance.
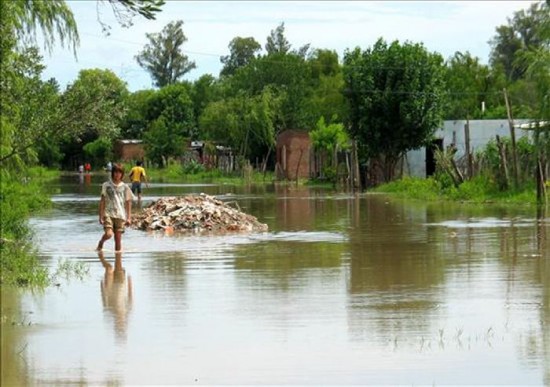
column 421, row 163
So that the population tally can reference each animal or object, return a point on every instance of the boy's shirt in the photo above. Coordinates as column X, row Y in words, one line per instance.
column 115, row 197
column 136, row 173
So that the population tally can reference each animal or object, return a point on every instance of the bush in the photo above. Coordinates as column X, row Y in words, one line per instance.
column 19, row 197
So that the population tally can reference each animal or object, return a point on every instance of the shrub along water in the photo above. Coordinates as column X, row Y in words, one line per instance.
column 21, row 195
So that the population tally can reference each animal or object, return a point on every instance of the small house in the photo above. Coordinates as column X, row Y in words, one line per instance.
column 129, row 150
column 293, row 155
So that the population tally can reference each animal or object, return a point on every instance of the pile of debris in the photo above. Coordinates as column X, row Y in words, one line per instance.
column 195, row 214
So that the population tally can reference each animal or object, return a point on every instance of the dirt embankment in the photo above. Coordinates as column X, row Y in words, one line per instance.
column 195, row 213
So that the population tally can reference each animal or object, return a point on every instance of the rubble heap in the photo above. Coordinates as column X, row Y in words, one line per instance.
column 196, row 214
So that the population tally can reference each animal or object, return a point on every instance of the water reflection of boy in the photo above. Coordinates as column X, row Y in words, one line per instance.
column 117, row 293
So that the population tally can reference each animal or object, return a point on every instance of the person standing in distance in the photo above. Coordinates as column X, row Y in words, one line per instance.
column 115, row 207
column 137, row 175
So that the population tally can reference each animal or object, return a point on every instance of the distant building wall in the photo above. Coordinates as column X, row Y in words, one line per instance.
column 481, row 132
column 129, row 150
column 293, row 154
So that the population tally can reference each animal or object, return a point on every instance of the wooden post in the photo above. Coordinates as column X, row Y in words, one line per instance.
column 283, row 154
column 541, row 187
column 356, row 175
column 468, row 152
column 503, row 164
column 513, row 137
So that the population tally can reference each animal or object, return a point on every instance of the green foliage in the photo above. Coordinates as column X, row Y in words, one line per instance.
column 169, row 113
column 54, row 17
column 396, row 96
column 468, row 84
column 94, row 101
column 192, row 167
column 288, row 77
column 524, row 32
column 175, row 172
column 162, row 142
column 135, row 122
column 324, row 63
column 476, row 190
column 206, row 89
column 246, row 124
column 20, row 195
column 277, row 42
column 173, row 104
column 29, row 108
column 146, row 8
column 163, row 57
column 99, row 152
column 241, row 52
column 327, row 137
column 414, row 188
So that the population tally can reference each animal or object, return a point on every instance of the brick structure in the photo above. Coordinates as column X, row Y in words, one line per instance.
column 293, row 155
column 129, row 150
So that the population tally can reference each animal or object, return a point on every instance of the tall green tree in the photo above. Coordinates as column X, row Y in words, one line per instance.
column 93, row 106
column 135, row 122
column 277, row 42
column 171, row 122
column 245, row 123
column 241, row 52
column 520, row 34
column 163, row 57
column 327, row 98
column 206, row 89
column 288, row 76
column 469, row 84
column 396, row 95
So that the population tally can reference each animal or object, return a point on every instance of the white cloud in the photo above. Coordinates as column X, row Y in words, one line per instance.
column 444, row 27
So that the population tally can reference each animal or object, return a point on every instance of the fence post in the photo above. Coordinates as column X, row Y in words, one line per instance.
column 513, row 137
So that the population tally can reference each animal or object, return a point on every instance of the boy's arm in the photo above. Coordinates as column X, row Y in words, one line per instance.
column 101, row 209
column 128, row 207
column 144, row 176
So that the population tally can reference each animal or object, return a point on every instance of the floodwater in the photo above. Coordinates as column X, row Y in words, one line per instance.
column 343, row 289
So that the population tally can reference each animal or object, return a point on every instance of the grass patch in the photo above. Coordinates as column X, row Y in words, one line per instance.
column 177, row 173
column 476, row 190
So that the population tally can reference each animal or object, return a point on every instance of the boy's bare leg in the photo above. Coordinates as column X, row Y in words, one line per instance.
column 108, row 234
column 118, row 241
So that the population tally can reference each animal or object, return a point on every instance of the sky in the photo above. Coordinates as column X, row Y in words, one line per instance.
column 442, row 26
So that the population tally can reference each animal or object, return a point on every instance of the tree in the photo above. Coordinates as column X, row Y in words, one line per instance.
column 134, row 123
column 206, row 89
column 327, row 98
column 396, row 96
column 246, row 124
column 288, row 76
column 241, row 52
column 324, row 62
column 521, row 34
column 326, row 139
column 125, row 10
column 171, row 121
column 469, row 83
column 163, row 58
column 93, row 106
column 29, row 109
column 277, row 42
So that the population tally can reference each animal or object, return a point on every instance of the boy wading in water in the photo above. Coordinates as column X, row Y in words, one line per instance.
column 115, row 207
column 137, row 175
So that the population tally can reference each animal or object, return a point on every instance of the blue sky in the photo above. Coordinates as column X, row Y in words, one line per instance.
column 443, row 26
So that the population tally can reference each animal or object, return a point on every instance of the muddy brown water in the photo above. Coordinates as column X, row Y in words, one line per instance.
column 343, row 289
